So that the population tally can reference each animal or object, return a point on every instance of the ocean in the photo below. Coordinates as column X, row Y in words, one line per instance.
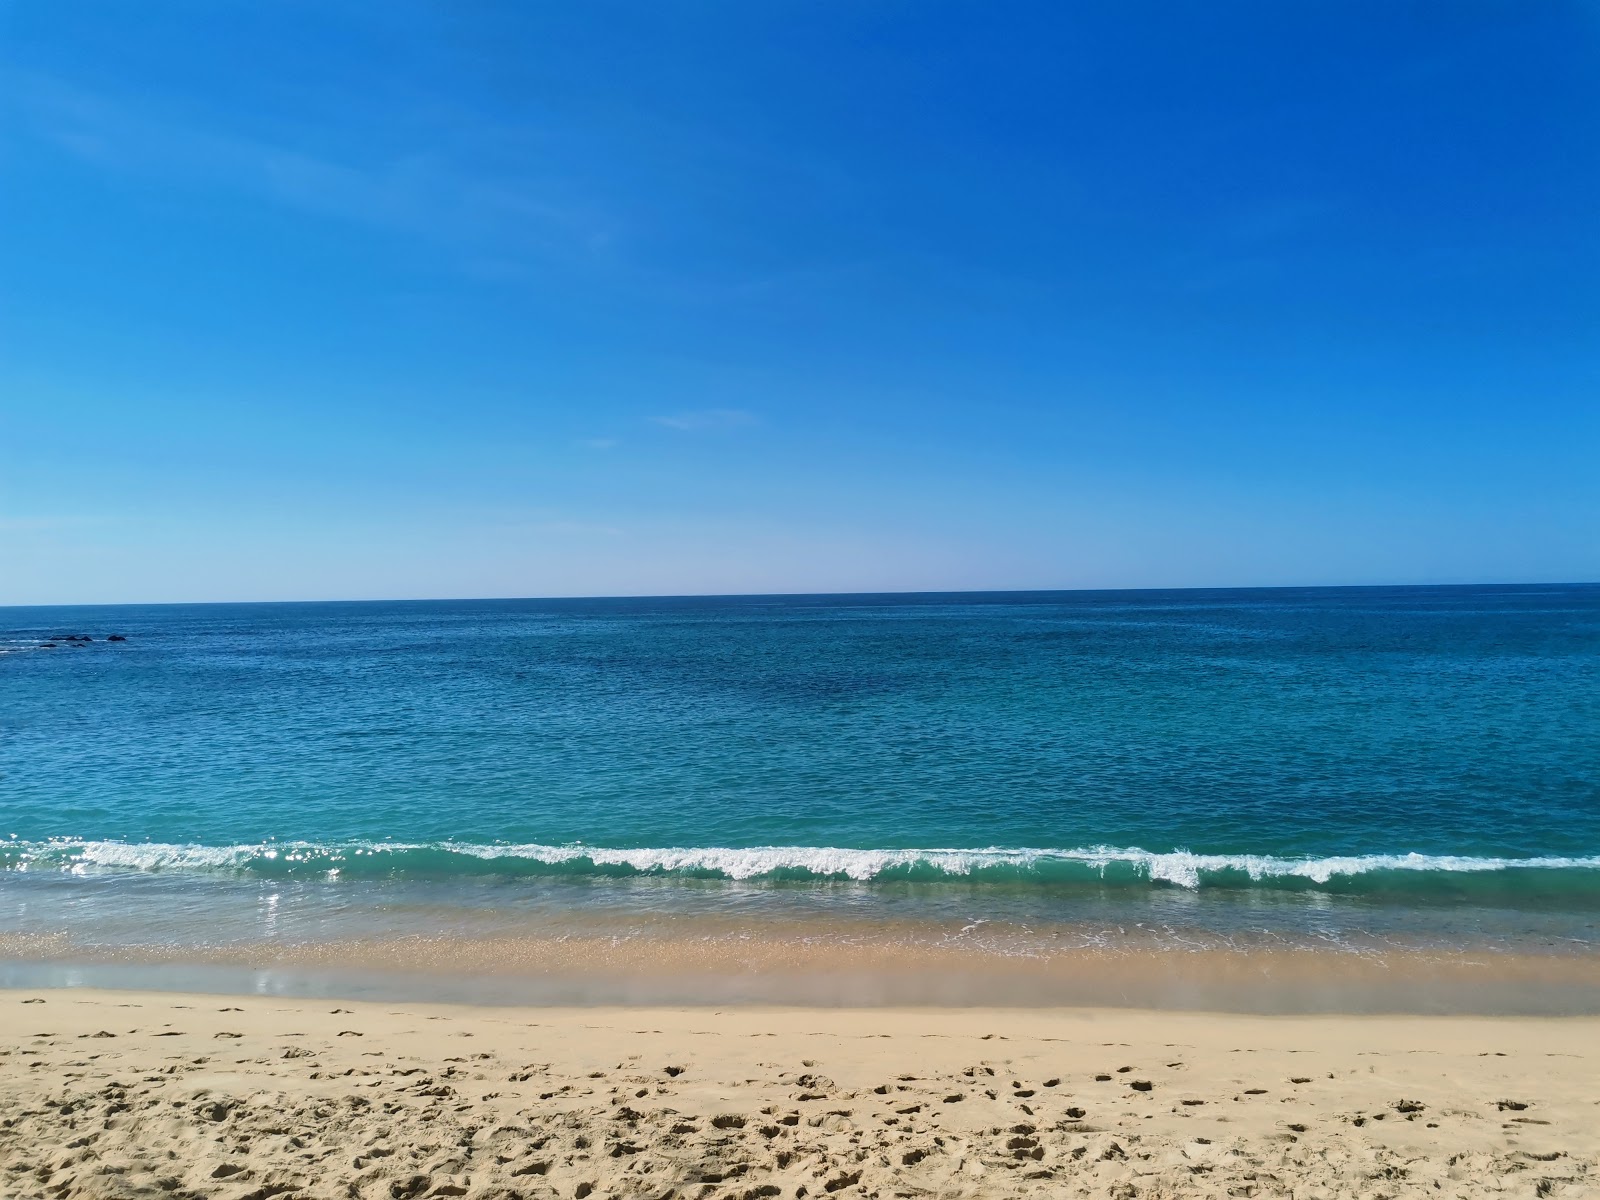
column 1023, row 789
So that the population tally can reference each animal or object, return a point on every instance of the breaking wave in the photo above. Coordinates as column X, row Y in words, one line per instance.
column 1102, row 865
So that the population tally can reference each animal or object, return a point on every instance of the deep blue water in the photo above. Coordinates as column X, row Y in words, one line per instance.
column 1423, row 743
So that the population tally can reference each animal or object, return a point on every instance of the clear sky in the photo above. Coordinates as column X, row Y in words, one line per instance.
column 335, row 299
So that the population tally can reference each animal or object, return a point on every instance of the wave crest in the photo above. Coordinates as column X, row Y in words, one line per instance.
column 1104, row 864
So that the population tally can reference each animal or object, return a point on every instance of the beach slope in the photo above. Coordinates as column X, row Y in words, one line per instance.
column 106, row 1094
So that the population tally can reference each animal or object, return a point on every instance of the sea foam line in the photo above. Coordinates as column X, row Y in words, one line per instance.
column 1181, row 867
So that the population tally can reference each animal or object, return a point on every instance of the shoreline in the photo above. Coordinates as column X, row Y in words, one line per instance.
column 597, row 972
column 112, row 1093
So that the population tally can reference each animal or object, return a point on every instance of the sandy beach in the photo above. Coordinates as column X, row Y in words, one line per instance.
column 114, row 1094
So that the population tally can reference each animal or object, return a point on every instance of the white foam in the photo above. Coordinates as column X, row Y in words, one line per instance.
column 753, row 862
column 1180, row 867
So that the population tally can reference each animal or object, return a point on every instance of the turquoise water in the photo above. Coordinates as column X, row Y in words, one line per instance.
column 1366, row 760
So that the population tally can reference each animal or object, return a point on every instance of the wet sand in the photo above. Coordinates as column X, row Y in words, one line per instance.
column 120, row 1094
column 762, row 968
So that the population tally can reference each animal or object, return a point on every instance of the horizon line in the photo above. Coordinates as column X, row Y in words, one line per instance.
column 1267, row 587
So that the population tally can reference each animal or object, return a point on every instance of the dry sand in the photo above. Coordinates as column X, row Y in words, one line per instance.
column 145, row 1094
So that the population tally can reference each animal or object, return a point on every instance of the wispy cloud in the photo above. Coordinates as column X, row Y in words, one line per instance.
column 707, row 418
column 50, row 523
column 598, row 443
column 504, row 198
column 575, row 529
column 494, row 213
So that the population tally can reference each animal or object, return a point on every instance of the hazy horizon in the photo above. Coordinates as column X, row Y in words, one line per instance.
column 908, row 592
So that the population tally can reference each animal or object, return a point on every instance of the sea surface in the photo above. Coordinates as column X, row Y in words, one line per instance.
column 742, row 784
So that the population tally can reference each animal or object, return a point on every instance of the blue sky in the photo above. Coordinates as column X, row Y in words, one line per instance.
column 342, row 300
